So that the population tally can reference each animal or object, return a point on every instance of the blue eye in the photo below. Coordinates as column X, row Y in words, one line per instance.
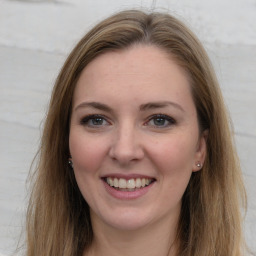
column 94, row 121
column 160, row 121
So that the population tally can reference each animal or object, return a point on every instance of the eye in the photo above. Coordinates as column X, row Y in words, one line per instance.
column 94, row 121
column 160, row 121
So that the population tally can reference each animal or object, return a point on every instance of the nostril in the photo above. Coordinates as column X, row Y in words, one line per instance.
column 126, row 154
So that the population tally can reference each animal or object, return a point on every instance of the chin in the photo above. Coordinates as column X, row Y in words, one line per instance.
column 128, row 225
column 126, row 220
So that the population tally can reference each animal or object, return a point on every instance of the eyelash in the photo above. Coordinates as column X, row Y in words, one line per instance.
column 85, row 120
column 164, row 117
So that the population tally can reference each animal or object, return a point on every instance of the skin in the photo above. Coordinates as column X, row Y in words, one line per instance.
column 135, row 85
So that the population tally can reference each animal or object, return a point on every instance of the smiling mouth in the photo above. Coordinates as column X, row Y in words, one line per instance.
column 128, row 185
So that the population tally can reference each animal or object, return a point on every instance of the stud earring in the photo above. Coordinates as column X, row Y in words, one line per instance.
column 198, row 165
column 70, row 163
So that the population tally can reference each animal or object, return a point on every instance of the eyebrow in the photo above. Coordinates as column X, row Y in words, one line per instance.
column 160, row 104
column 96, row 105
column 143, row 107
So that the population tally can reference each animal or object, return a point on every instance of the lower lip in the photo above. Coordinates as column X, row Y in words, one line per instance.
column 127, row 195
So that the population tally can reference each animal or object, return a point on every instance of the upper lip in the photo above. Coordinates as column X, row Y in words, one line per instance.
column 127, row 176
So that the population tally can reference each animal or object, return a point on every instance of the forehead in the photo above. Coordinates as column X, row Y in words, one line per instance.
column 137, row 73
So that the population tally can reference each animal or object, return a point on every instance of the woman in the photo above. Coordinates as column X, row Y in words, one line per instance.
column 136, row 156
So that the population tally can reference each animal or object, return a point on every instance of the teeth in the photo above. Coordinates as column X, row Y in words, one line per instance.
column 138, row 183
column 128, row 184
column 122, row 183
column 110, row 182
column 116, row 183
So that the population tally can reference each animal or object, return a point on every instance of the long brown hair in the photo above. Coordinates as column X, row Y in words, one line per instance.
column 58, row 219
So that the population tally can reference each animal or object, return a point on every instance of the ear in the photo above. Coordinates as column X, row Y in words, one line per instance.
column 201, row 151
column 70, row 162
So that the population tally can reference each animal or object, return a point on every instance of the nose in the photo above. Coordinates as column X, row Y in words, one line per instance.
column 126, row 146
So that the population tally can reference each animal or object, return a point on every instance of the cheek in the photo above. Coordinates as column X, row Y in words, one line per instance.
column 174, row 153
column 87, row 152
column 173, row 159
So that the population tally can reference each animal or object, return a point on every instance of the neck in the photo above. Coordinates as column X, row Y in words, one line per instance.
column 153, row 240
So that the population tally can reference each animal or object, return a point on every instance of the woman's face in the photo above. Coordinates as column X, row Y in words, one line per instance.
column 134, row 137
